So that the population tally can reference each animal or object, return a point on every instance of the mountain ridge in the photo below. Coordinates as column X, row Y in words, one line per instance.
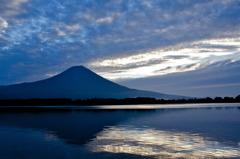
column 76, row 82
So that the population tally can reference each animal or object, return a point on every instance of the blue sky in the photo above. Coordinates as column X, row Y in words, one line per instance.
column 122, row 40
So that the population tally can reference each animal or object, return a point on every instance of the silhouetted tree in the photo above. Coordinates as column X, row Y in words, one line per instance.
column 218, row 99
column 111, row 101
column 237, row 98
column 208, row 100
column 228, row 99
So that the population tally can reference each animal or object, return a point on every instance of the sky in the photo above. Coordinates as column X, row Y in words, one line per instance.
column 141, row 44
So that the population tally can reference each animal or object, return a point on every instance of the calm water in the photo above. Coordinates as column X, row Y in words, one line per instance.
column 142, row 131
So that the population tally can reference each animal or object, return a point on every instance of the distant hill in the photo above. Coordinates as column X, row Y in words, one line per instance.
column 76, row 83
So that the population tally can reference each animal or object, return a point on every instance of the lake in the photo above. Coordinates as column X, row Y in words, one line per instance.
column 129, row 131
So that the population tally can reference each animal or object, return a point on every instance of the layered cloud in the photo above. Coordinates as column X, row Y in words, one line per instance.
column 217, row 79
column 118, row 39
column 181, row 58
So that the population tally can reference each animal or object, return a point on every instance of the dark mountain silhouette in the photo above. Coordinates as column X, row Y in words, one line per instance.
column 76, row 83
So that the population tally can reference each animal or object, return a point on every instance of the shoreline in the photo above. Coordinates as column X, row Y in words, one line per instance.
column 126, row 107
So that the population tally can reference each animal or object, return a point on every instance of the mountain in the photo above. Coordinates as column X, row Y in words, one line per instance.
column 76, row 83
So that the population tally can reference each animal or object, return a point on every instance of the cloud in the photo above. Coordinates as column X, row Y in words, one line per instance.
column 117, row 36
column 179, row 58
column 105, row 20
column 129, row 66
column 11, row 9
column 176, row 56
column 217, row 79
column 66, row 30
column 3, row 23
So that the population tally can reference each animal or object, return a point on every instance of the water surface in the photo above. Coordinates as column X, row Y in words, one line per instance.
column 139, row 131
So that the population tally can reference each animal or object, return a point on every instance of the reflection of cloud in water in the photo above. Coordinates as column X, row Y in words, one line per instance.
column 159, row 144
column 50, row 136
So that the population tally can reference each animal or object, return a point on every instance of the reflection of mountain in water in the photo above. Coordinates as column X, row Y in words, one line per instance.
column 76, row 127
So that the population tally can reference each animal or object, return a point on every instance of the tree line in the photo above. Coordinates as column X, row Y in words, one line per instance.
column 111, row 101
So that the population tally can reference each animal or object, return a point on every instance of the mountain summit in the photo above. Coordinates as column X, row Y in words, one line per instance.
column 76, row 82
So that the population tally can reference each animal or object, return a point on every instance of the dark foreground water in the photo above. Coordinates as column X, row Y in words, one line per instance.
column 198, row 131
